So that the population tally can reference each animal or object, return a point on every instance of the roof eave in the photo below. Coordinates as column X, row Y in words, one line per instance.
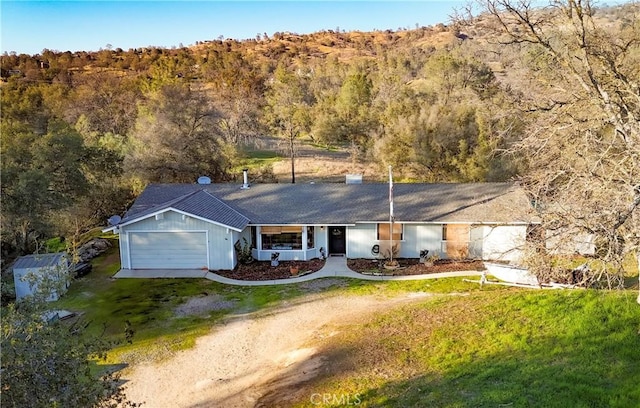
column 153, row 214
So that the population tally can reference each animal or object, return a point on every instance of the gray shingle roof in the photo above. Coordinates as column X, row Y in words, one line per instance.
column 197, row 202
column 339, row 203
column 38, row 260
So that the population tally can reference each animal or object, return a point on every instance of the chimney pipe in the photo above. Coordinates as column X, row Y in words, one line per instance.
column 245, row 179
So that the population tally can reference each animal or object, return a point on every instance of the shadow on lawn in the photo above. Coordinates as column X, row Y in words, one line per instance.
column 576, row 349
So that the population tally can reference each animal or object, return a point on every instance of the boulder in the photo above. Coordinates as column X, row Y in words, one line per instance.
column 93, row 248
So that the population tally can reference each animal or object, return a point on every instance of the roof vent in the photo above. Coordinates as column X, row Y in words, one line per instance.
column 245, row 179
column 354, row 179
column 204, row 180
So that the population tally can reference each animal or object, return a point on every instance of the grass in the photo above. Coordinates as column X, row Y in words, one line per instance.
column 629, row 264
column 148, row 307
column 259, row 158
column 515, row 348
column 472, row 346
column 393, row 288
column 55, row 245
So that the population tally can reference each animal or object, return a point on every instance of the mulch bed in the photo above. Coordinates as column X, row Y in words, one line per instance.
column 414, row 267
column 262, row 270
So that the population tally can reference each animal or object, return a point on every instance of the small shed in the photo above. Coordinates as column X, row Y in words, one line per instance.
column 31, row 270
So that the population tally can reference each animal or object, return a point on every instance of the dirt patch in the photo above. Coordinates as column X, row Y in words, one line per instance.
column 262, row 270
column 203, row 305
column 368, row 349
column 315, row 163
column 410, row 266
column 324, row 168
column 250, row 356
column 318, row 285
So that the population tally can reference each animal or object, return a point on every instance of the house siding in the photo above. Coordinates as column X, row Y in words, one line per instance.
column 235, row 237
column 485, row 242
column 360, row 240
column 416, row 237
column 321, row 240
column 578, row 243
column 499, row 242
column 221, row 254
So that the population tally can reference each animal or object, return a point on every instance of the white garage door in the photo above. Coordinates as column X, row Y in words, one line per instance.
column 168, row 250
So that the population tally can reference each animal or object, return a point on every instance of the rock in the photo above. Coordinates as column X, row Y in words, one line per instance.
column 93, row 248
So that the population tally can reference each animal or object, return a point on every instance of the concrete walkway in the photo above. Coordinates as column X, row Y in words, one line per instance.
column 333, row 267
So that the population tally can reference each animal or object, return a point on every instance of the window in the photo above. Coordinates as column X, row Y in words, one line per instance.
column 383, row 232
column 444, row 232
column 281, row 237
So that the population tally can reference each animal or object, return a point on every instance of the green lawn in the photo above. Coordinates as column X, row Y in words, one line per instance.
column 148, row 305
column 259, row 158
column 491, row 346
column 501, row 348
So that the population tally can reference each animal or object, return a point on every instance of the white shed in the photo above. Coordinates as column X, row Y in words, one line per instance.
column 31, row 270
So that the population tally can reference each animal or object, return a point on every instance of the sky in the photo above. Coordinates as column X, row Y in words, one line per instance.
column 32, row 26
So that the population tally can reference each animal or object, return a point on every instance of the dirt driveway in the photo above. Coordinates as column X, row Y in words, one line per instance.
column 240, row 360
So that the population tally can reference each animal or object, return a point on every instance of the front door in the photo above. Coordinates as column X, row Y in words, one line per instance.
column 337, row 240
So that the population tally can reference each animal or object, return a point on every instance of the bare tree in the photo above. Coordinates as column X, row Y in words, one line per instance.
column 582, row 97
column 177, row 138
column 238, row 122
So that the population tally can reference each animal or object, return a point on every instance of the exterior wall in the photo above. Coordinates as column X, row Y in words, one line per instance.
column 504, row 242
column 235, row 237
column 322, row 240
column 476, row 238
column 416, row 237
column 285, row 255
column 220, row 239
column 360, row 239
column 571, row 243
column 485, row 242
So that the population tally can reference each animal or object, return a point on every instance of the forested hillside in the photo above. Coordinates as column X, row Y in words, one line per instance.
column 83, row 132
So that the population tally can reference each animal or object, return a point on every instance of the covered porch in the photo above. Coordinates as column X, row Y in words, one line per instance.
column 297, row 242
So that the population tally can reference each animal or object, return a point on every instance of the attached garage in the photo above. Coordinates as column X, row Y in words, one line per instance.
column 168, row 250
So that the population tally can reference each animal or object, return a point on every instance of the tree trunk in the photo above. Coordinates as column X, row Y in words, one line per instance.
column 292, row 153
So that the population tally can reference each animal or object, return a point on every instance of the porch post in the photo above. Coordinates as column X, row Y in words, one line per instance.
column 304, row 243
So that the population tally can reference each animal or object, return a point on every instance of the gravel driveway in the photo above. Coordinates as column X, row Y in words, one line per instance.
column 236, row 363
